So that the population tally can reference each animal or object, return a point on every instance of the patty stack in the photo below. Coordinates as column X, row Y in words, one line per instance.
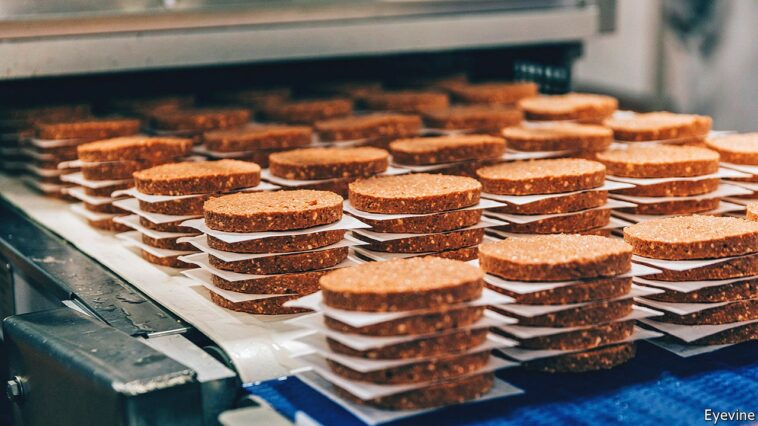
column 660, row 127
column 550, row 197
column 255, row 142
column 307, row 111
column 574, row 300
column 55, row 142
column 262, row 249
column 423, row 342
column 371, row 129
column 557, row 139
column 169, row 194
column 330, row 169
column 738, row 152
column 459, row 154
column 578, row 107
column 709, row 275
column 107, row 166
column 419, row 214
column 670, row 180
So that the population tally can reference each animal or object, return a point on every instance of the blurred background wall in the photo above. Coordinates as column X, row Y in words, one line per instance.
column 687, row 55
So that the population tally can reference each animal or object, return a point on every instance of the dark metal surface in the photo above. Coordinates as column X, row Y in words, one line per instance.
column 74, row 370
column 59, row 269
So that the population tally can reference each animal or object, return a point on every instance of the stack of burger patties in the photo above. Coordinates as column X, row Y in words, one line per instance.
column 255, row 142
column 738, row 153
column 165, row 196
column 192, row 122
column 709, row 275
column 574, row 300
column 259, row 250
column 376, row 129
column 404, row 334
column 670, row 180
column 107, row 166
column 551, row 196
column 329, row 169
column 659, row 127
column 418, row 214
column 56, row 142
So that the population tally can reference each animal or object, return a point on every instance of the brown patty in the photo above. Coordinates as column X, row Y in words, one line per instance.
column 426, row 323
column 735, row 268
column 428, row 370
column 283, row 244
column 106, row 191
column 167, row 227
column 296, row 283
column 115, row 170
column 269, row 306
column 577, row 223
column 585, row 338
column 680, row 188
column 197, row 177
column 431, row 242
column 484, row 118
column 198, row 120
column 743, row 310
column 170, row 261
column 590, row 314
column 432, row 223
column 446, row 149
column 565, row 204
column 108, row 225
column 571, row 106
column 413, row 102
column 741, row 290
column 403, row 284
column 90, row 128
column 541, row 176
column 371, row 126
column 437, row 395
column 603, row 358
column 137, row 148
column 559, row 137
column 257, row 137
column 580, row 292
column 659, row 126
column 693, row 237
column 272, row 211
column 445, row 344
column 660, row 161
column 419, row 193
column 167, row 243
column 555, row 257
column 284, row 263
column 675, row 207
column 308, row 111
column 328, row 163
column 741, row 148
column 495, row 93
column 739, row 334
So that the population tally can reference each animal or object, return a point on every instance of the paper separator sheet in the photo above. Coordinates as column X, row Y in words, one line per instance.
column 132, row 221
column 79, row 194
column 315, row 302
column 722, row 173
column 317, row 344
column 362, row 342
column 346, row 223
column 135, row 238
column 200, row 242
column 204, row 278
column 132, row 205
column 689, row 333
column 78, row 179
column 724, row 190
column 521, row 200
column 724, row 207
column 267, row 176
column 528, row 332
column 528, row 218
column 149, row 198
column 530, row 311
column 80, row 210
column 690, row 286
column 678, row 308
column 374, row 416
column 744, row 168
column 685, row 265
column 481, row 205
column 685, row 350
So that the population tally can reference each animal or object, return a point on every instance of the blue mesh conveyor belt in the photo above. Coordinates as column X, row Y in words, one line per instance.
column 656, row 387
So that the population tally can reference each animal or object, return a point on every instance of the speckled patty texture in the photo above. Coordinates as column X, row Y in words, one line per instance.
column 738, row 148
column 571, row 106
column 371, row 126
column 143, row 148
column 446, row 149
column 328, row 163
column 404, row 284
column 541, row 176
column 660, row 125
column 658, row 161
column 558, row 137
column 257, row 137
column 555, row 257
column 414, row 193
column 203, row 177
column 693, row 237
column 272, row 211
